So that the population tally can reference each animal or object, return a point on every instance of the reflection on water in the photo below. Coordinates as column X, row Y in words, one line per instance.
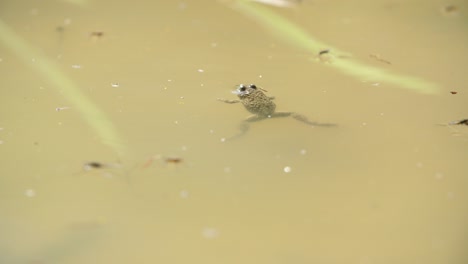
column 386, row 185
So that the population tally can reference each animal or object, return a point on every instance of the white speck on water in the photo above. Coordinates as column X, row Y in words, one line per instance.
column 62, row 108
column 450, row 195
column 1, row 142
column 346, row 21
column 227, row 169
column 303, row 151
column 30, row 193
column 67, row 21
column 214, row 44
column 1, row 59
column 376, row 84
column 184, row 194
column 181, row 97
column 115, row 85
column 439, row 176
column 176, row 122
column 419, row 164
column 287, row 169
column 76, row 66
column 381, row 114
column 260, row 76
column 211, row 131
column 210, row 232
column 107, row 175
column 201, row 84
column 364, row 124
column 184, row 148
column 201, row 70
column 182, row 5
column 169, row 80
column 223, row 139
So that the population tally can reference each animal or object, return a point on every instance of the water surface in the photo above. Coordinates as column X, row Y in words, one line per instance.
column 386, row 185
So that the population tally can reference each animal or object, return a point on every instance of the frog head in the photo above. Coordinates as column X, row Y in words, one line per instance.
column 244, row 91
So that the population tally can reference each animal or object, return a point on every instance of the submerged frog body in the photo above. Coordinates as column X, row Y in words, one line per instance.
column 261, row 106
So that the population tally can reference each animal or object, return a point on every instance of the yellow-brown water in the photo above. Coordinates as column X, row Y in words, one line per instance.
column 387, row 185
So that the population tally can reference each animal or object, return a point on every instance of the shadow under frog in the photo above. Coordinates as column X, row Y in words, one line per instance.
column 262, row 107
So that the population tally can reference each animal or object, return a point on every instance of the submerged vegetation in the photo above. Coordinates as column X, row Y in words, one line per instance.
column 50, row 70
column 295, row 35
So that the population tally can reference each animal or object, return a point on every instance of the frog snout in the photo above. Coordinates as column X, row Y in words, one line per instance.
column 238, row 92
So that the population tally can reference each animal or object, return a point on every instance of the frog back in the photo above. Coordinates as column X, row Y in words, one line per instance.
column 259, row 104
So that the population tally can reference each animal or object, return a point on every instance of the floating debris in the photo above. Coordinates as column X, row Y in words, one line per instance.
column 93, row 165
column 106, row 170
column 325, row 51
column 173, row 160
column 325, row 55
column 115, row 85
column 167, row 160
column 98, row 165
column 96, row 34
column 461, row 122
column 287, row 169
column 150, row 161
column 453, row 92
column 450, row 10
column 378, row 58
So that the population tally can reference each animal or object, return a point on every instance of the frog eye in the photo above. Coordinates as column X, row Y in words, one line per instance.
column 242, row 88
column 253, row 86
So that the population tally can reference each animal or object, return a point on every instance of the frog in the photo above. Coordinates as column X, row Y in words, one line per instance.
column 262, row 107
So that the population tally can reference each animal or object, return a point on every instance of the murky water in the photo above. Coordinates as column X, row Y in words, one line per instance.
column 386, row 185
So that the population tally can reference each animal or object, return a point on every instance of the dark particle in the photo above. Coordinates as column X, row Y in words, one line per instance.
column 325, row 51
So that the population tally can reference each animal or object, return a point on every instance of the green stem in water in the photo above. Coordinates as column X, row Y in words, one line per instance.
column 289, row 32
column 95, row 118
